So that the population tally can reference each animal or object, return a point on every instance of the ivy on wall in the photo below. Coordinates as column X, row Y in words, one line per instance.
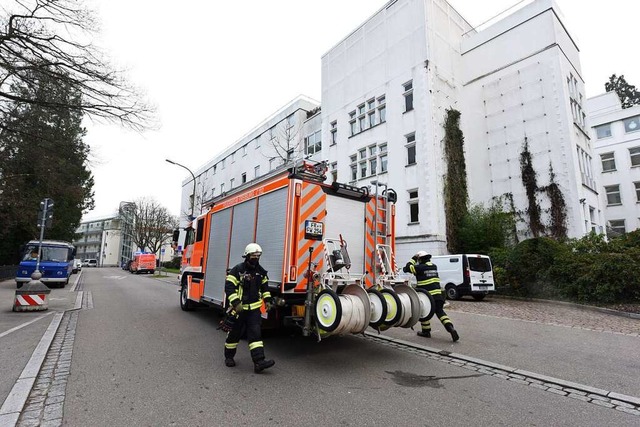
column 455, row 182
column 529, row 180
column 558, row 210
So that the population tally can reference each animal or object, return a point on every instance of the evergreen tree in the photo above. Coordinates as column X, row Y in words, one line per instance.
column 627, row 93
column 42, row 154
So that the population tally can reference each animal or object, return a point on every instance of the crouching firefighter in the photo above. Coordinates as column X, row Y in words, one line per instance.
column 426, row 274
column 246, row 288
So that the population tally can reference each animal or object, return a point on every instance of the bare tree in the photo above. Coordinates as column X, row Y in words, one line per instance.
column 287, row 141
column 151, row 224
column 53, row 38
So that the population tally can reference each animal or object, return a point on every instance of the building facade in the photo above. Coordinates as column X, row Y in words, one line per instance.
column 386, row 88
column 616, row 135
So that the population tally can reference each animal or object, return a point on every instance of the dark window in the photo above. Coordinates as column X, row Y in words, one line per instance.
column 479, row 264
column 200, row 231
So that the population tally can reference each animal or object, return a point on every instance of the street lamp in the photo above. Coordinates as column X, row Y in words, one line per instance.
column 193, row 198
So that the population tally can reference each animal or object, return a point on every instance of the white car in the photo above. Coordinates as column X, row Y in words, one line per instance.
column 77, row 265
column 90, row 262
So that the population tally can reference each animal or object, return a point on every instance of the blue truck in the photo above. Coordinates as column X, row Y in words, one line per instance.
column 56, row 262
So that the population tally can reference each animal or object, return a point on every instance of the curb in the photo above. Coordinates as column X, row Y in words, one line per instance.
column 571, row 304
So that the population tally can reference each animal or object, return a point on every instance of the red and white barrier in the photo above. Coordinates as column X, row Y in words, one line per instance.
column 30, row 302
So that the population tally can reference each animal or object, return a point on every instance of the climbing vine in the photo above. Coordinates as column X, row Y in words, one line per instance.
column 531, row 188
column 455, row 182
column 558, row 209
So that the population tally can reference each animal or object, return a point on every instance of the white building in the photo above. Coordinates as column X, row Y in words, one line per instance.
column 522, row 79
column 385, row 90
column 616, row 132
column 283, row 135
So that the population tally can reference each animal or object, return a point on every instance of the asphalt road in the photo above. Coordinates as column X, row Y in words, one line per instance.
column 137, row 359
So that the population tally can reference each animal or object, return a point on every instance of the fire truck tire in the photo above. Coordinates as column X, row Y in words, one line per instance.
column 427, row 304
column 328, row 310
column 185, row 303
column 378, row 307
column 394, row 308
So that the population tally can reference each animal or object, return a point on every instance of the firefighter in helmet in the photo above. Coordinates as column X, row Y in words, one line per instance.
column 246, row 289
column 426, row 274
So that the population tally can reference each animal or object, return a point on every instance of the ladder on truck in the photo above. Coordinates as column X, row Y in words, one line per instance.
column 381, row 234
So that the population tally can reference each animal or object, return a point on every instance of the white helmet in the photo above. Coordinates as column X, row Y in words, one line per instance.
column 252, row 248
column 421, row 254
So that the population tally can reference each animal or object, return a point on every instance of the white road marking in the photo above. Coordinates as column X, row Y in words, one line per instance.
column 24, row 324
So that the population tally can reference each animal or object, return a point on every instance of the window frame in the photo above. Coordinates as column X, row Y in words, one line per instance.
column 413, row 205
column 634, row 156
column 609, row 191
column 408, row 96
column 608, row 160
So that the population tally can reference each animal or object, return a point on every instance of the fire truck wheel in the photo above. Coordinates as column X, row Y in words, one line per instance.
column 185, row 303
column 378, row 307
column 328, row 310
column 427, row 304
column 394, row 308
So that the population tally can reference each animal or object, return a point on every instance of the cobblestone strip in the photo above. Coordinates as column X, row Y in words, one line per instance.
column 585, row 393
column 44, row 406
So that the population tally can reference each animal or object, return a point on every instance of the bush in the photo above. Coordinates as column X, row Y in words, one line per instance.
column 174, row 263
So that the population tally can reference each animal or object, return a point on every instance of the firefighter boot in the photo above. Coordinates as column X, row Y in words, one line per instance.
column 229, row 362
column 454, row 334
column 263, row 364
column 425, row 334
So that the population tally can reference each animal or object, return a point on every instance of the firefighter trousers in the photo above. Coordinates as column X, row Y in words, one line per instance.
column 442, row 316
column 249, row 321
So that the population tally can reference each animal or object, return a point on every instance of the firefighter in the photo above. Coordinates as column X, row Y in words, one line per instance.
column 246, row 288
column 427, row 276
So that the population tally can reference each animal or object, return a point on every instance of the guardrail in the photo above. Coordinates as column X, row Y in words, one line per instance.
column 8, row 271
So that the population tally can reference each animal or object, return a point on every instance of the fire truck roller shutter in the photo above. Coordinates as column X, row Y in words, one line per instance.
column 270, row 232
column 244, row 216
column 350, row 226
column 217, row 255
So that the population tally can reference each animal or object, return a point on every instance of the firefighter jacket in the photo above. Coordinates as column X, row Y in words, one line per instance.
column 426, row 275
column 247, row 284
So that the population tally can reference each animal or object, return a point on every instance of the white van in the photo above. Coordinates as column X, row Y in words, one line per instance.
column 465, row 274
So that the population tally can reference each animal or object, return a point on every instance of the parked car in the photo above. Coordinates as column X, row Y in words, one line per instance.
column 90, row 262
column 77, row 265
column 465, row 274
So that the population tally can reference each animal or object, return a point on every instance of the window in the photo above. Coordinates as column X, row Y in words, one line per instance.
column 382, row 109
column 613, row 195
column 411, row 149
column 352, row 122
column 334, row 132
column 354, row 172
column 272, row 163
column 363, row 169
column 637, row 184
column 372, row 119
column 272, row 133
column 361, row 109
column 408, row 96
column 383, row 163
column 413, row 207
column 363, row 153
column 290, row 121
column 244, row 150
column 233, row 157
column 313, row 143
column 233, row 180
column 257, row 143
column 634, row 153
column 632, row 124
column 334, row 171
column 256, row 171
column 371, row 104
column 244, row 178
column 373, row 166
column 222, row 163
column 361, row 124
column 603, row 131
column 616, row 227
column 608, row 162
column 222, row 188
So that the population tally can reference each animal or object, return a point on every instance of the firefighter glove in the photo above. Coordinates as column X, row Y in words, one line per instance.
column 238, row 307
column 228, row 322
column 268, row 304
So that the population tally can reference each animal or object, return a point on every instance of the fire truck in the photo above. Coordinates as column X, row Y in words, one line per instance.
column 328, row 250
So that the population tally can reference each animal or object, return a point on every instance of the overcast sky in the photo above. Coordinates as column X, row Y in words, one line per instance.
column 214, row 70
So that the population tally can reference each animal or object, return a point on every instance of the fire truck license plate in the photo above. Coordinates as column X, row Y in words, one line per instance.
column 313, row 230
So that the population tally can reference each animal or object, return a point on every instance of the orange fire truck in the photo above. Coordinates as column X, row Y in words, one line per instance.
column 328, row 249
column 143, row 263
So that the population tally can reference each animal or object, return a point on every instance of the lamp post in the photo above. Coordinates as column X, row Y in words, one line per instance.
column 193, row 198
